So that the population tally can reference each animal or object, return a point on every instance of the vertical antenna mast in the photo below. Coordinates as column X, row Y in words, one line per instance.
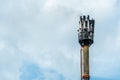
column 85, row 37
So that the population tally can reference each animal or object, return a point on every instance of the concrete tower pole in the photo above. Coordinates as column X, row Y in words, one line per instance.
column 85, row 37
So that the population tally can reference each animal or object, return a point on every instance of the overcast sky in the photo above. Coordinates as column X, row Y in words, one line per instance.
column 39, row 41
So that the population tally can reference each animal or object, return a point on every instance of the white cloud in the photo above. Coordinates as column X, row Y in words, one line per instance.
column 45, row 32
column 105, row 56
column 10, row 61
column 100, row 9
column 49, row 5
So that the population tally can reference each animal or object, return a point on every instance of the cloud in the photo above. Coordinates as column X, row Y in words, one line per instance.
column 106, row 55
column 100, row 9
column 45, row 33
column 27, row 34
column 31, row 71
column 10, row 61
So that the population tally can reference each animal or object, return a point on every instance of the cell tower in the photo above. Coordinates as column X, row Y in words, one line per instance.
column 85, row 37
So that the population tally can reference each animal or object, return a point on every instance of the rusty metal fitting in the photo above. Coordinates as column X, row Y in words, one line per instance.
column 85, row 76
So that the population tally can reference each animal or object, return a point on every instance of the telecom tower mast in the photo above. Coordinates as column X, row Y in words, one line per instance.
column 85, row 37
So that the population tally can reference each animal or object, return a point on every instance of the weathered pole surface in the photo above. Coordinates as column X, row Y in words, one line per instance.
column 85, row 36
column 85, row 62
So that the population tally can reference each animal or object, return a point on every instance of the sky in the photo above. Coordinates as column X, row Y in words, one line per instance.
column 39, row 40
